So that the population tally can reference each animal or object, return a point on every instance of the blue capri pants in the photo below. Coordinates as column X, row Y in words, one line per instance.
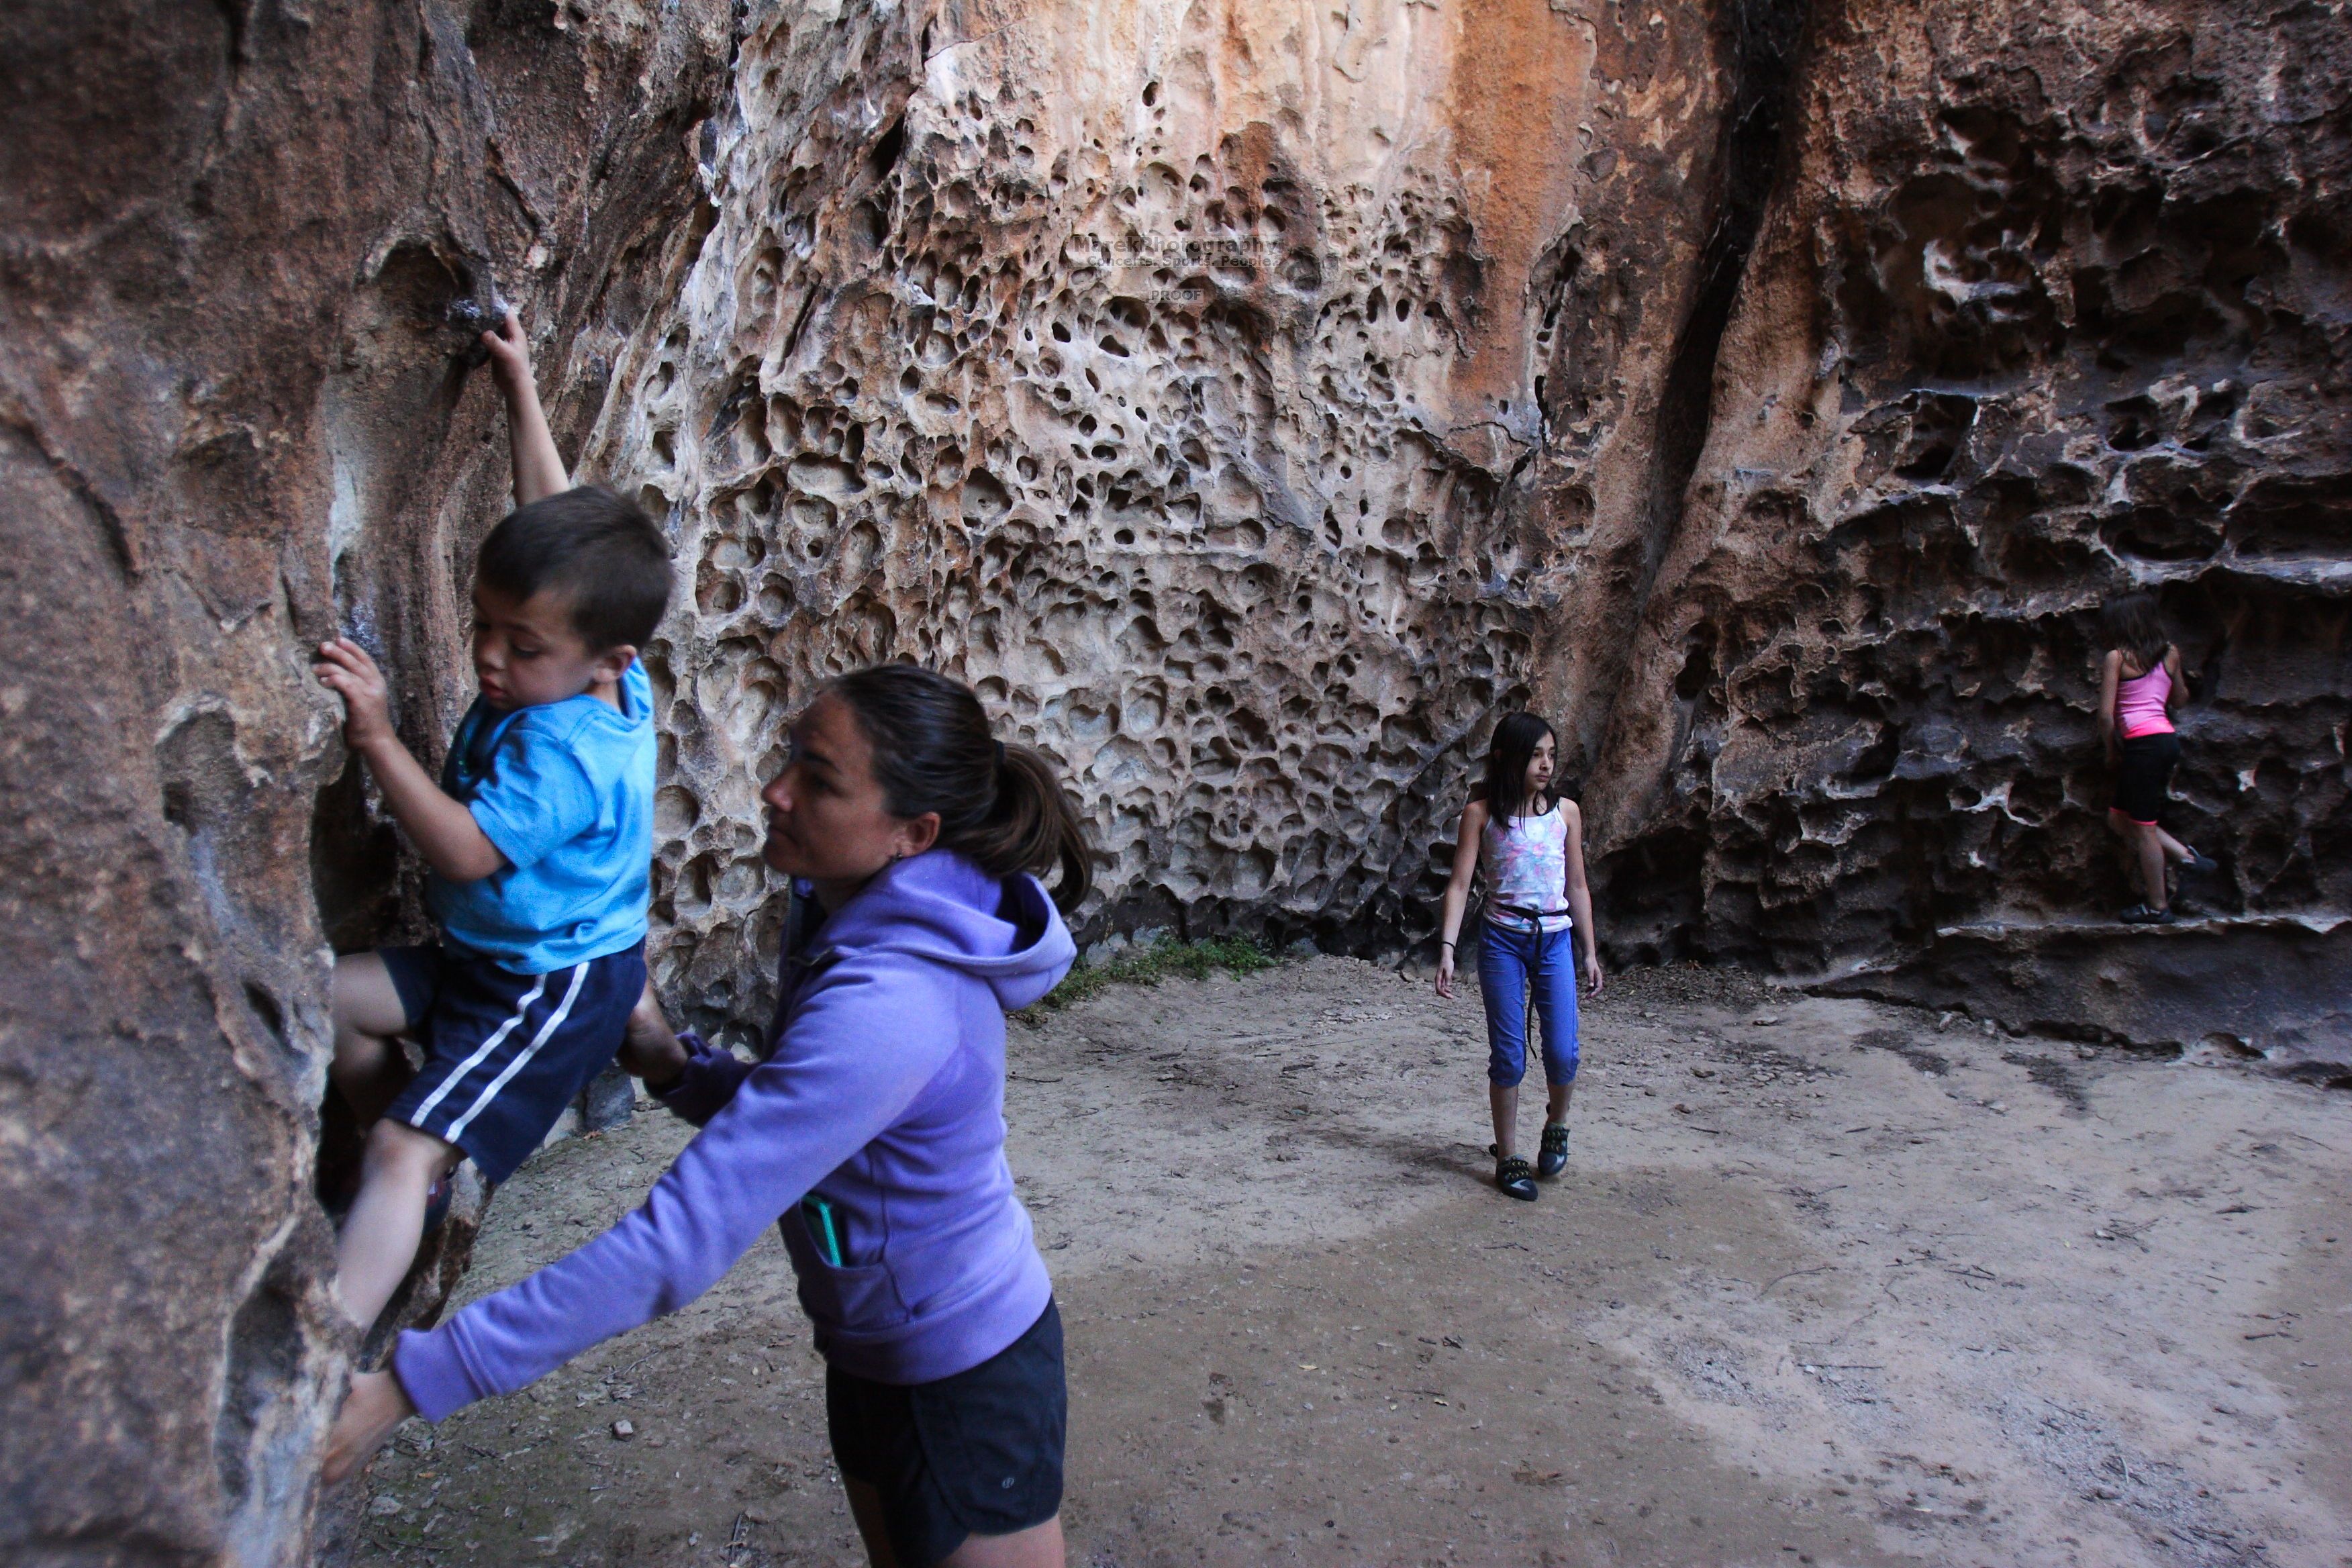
column 1511, row 963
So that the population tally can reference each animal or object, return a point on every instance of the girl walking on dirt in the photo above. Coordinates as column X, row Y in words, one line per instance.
column 2140, row 687
column 874, row 1126
column 1538, row 915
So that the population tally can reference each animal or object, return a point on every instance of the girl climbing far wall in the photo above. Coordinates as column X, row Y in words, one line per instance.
column 1538, row 915
column 2140, row 687
column 872, row 1133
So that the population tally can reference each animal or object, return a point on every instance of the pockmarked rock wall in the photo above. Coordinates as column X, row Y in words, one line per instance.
column 1254, row 401
column 1199, row 381
column 2048, row 302
column 238, row 245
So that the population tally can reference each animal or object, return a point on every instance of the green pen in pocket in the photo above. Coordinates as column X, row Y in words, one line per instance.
column 824, row 1225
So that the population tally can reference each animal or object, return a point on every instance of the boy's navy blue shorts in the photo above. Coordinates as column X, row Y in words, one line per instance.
column 505, row 1053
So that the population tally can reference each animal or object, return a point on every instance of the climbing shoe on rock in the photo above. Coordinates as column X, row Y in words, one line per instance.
column 2142, row 915
column 2197, row 862
column 1515, row 1179
column 1552, row 1158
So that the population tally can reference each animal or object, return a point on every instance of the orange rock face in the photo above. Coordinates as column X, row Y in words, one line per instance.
column 1252, row 401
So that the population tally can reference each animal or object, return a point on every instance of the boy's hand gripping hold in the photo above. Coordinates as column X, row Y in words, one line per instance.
column 538, row 469
column 345, row 668
column 510, row 353
column 446, row 833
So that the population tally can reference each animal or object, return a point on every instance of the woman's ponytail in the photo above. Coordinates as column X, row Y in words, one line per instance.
column 1036, row 827
column 1004, row 807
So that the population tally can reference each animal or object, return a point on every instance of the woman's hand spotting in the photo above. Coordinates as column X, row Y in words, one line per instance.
column 345, row 668
column 1445, row 973
column 375, row 1404
column 1592, row 972
column 509, row 352
column 649, row 1050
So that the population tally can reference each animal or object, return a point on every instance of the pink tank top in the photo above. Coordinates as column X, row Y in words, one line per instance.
column 2139, row 703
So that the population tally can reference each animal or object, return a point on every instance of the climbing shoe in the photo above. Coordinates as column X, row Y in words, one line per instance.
column 1515, row 1179
column 2142, row 915
column 1552, row 1158
column 2197, row 862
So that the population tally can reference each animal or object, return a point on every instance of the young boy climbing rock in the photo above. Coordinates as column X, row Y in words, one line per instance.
column 538, row 837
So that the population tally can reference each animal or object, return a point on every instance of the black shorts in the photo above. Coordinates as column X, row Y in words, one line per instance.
column 2147, row 771
column 505, row 1053
column 976, row 1454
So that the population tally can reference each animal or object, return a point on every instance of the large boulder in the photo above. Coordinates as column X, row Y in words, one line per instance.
column 241, row 252
column 1254, row 402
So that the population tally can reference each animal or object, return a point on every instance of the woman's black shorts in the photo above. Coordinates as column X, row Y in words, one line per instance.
column 976, row 1454
column 2148, row 762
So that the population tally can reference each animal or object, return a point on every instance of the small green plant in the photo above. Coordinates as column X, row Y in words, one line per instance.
column 1149, row 964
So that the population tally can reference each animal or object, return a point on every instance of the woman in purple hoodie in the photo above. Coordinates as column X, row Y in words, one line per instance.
column 874, row 1127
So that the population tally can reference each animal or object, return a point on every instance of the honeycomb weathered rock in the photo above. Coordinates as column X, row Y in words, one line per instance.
column 1186, row 397
column 2050, row 301
column 1253, row 400
column 1253, row 408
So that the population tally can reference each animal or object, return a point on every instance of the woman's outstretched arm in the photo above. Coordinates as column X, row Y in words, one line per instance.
column 825, row 1095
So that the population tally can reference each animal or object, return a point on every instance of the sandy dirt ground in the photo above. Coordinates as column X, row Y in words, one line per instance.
column 1825, row 1282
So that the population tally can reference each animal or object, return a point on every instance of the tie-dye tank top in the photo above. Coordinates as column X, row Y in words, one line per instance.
column 1527, row 870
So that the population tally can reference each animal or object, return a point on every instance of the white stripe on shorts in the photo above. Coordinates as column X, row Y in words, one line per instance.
column 425, row 1112
column 554, row 1022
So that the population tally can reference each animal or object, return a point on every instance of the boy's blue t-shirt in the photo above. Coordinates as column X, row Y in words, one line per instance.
column 565, row 790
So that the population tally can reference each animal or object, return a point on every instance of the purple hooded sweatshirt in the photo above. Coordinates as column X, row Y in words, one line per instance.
column 883, row 1092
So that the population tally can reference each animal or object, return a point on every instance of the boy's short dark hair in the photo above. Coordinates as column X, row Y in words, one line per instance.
column 600, row 552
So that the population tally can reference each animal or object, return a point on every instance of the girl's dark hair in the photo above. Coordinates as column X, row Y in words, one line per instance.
column 2131, row 623
column 1507, row 756
column 1002, row 806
